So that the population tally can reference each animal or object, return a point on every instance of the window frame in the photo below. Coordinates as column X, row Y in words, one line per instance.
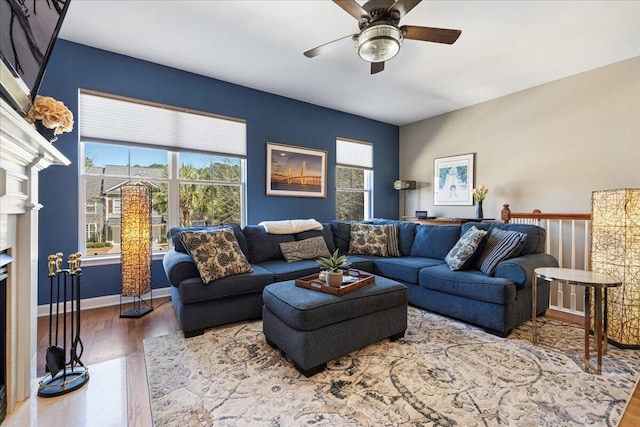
column 364, row 163
column 173, row 194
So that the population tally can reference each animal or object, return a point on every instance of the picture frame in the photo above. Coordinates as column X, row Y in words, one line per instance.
column 453, row 180
column 296, row 171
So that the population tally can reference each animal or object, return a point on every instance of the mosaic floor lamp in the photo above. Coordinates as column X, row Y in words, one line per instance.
column 135, row 248
column 615, row 250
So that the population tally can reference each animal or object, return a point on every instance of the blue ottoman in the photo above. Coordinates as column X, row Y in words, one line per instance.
column 313, row 328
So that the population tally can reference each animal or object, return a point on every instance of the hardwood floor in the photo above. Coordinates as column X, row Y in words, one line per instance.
column 106, row 336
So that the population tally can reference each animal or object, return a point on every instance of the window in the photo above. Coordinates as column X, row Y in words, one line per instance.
column 92, row 229
column 188, row 186
column 354, row 180
column 117, row 206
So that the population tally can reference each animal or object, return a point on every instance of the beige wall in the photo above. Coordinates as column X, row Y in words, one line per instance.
column 547, row 147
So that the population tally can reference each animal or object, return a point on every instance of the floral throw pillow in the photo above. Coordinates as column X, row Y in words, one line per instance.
column 216, row 253
column 367, row 239
column 501, row 245
column 461, row 254
column 311, row 248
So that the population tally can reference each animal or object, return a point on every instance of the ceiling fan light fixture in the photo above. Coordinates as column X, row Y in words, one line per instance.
column 379, row 43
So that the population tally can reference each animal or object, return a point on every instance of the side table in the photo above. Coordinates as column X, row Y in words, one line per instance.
column 597, row 282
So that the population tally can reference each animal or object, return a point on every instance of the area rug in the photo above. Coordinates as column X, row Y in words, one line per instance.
column 442, row 373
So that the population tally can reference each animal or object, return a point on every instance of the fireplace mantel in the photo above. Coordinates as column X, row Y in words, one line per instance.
column 23, row 154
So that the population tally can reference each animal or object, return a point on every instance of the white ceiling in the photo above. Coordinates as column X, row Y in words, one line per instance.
column 505, row 47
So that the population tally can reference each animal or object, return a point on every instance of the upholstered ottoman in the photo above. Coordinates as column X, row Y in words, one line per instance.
column 313, row 328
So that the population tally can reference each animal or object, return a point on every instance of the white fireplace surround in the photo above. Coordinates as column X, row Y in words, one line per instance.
column 23, row 154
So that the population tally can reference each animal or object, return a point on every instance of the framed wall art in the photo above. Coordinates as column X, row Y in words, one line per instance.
column 453, row 180
column 296, row 171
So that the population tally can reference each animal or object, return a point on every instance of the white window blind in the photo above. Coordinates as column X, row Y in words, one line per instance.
column 354, row 153
column 104, row 118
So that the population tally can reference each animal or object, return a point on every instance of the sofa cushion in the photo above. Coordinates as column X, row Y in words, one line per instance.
column 463, row 253
column 193, row 290
column 326, row 232
column 406, row 234
column 368, row 239
column 536, row 236
column 362, row 262
column 341, row 235
column 311, row 248
column 471, row 284
column 216, row 253
column 434, row 241
column 283, row 270
column 405, row 269
column 174, row 235
column 264, row 246
column 500, row 245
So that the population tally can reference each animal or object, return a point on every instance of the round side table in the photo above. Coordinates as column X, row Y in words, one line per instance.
column 593, row 282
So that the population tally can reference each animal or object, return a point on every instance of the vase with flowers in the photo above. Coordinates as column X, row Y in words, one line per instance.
column 479, row 195
column 50, row 117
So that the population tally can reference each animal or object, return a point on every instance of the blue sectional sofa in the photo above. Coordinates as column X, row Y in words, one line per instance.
column 497, row 302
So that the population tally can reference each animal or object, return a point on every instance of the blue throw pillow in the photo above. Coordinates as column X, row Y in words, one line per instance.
column 501, row 245
column 461, row 255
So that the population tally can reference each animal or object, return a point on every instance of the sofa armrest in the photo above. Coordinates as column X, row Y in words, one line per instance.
column 520, row 269
column 179, row 266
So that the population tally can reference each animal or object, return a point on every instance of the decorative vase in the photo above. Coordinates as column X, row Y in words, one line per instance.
column 48, row 134
column 334, row 278
column 479, row 209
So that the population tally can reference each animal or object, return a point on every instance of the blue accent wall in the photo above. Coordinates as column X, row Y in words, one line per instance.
column 269, row 118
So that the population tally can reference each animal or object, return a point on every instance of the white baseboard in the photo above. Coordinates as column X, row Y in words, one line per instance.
column 105, row 301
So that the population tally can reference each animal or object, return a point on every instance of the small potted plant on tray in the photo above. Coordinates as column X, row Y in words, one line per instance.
column 333, row 267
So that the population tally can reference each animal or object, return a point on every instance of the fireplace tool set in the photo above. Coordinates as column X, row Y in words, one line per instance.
column 64, row 289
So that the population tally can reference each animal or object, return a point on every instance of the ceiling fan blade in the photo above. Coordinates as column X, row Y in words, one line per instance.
column 404, row 6
column 329, row 46
column 428, row 34
column 352, row 8
column 376, row 67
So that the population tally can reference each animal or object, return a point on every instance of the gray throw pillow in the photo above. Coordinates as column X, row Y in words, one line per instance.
column 311, row 248
column 501, row 245
column 461, row 254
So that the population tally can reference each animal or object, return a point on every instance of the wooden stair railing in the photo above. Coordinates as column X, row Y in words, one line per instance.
column 570, row 247
column 506, row 215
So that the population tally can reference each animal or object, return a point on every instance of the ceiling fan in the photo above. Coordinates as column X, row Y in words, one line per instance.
column 380, row 36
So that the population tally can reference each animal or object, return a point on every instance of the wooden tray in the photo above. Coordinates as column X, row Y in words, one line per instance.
column 314, row 283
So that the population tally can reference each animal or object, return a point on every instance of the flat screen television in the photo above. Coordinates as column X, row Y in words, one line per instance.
column 28, row 31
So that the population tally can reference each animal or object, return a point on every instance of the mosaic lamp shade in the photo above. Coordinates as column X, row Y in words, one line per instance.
column 615, row 250
column 136, row 239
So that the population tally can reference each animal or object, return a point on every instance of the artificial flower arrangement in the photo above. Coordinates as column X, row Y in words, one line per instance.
column 480, row 193
column 53, row 114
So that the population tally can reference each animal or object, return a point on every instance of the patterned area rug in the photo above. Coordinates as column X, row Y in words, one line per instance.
column 442, row 373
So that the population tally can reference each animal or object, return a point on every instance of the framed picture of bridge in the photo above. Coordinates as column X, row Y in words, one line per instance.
column 296, row 171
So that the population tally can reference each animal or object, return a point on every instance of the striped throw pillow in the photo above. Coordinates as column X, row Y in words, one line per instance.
column 392, row 240
column 501, row 245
